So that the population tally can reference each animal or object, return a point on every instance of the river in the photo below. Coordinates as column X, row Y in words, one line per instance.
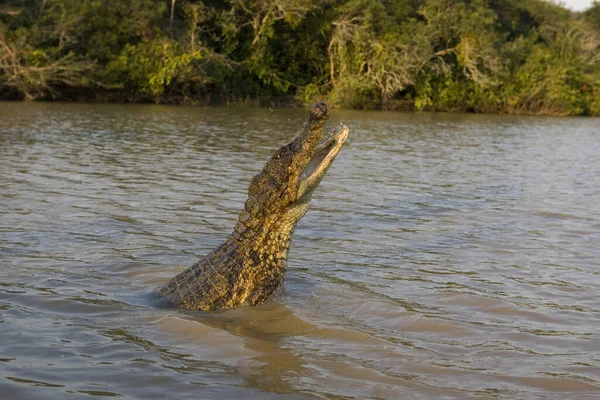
column 446, row 256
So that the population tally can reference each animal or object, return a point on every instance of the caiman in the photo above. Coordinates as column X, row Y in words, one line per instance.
column 250, row 264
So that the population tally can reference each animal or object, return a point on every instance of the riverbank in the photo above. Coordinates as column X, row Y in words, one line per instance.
column 512, row 57
column 277, row 102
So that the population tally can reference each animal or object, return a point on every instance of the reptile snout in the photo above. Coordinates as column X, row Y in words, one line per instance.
column 319, row 110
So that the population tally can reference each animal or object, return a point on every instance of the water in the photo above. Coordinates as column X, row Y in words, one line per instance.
column 444, row 256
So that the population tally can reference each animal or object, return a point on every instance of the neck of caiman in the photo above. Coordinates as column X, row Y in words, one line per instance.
column 245, row 269
column 254, row 257
column 263, row 243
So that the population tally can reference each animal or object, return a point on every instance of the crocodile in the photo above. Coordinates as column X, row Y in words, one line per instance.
column 248, row 267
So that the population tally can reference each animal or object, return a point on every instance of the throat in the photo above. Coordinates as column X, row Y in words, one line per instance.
column 264, row 241
column 262, row 246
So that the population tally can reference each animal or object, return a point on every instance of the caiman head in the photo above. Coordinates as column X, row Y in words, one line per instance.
column 280, row 194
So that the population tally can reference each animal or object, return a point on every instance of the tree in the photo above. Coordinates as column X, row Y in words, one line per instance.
column 36, row 58
column 523, row 56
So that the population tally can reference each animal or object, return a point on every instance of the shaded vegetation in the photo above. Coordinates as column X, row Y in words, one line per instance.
column 515, row 56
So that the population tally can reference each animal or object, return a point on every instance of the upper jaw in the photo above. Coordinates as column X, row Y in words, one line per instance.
column 321, row 160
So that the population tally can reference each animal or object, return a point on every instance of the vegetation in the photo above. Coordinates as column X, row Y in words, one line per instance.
column 514, row 56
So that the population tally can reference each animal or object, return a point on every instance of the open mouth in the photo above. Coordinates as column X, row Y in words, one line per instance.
column 322, row 158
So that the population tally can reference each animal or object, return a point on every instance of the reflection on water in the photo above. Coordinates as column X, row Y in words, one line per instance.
column 444, row 255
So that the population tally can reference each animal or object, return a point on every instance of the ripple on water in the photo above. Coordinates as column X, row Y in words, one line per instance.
column 445, row 256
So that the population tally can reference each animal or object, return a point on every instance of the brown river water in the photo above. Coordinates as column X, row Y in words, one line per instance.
column 444, row 257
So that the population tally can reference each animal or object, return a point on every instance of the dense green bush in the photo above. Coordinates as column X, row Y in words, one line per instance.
column 513, row 56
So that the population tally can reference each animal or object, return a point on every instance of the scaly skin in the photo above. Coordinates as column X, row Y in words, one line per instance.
column 250, row 264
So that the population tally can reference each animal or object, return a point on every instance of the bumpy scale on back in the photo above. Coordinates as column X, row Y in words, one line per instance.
column 251, row 263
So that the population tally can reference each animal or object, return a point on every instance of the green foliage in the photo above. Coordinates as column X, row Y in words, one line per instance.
column 558, row 73
column 516, row 56
column 592, row 15
column 153, row 66
column 105, row 27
